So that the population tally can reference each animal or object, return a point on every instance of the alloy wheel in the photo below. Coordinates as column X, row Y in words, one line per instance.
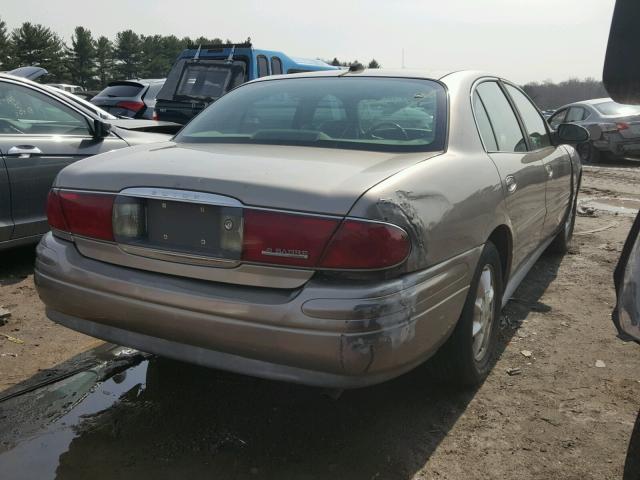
column 483, row 313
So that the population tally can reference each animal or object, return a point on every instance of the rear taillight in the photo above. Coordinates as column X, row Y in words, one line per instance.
column 130, row 105
column 268, row 237
column 284, row 238
column 614, row 127
column 366, row 245
column 55, row 216
column 85, row 214
column 322, row 243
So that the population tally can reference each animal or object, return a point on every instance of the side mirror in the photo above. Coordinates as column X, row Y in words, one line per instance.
column 572, row 133
column 626, row 315
column 101, row 129
column 621, row 75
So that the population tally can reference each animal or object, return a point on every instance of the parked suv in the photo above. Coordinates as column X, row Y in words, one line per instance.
column 130, row 98
column 203, row 74
column 614, row 128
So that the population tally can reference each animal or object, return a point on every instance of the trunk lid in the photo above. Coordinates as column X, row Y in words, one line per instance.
column 318, row 180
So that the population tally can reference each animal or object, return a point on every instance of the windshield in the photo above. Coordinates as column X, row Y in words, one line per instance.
column 613, row 108
column 368, row 113
column 209, row 80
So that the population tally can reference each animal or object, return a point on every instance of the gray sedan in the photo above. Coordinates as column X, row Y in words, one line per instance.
column 333, row 229
column 614, row 128
column 42, row 130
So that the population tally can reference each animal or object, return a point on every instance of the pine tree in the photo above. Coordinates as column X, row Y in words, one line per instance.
column 5, row 47
column 82, row 56
column 104, row 61
column 374, row 64
column 128, row 48
column 39, row 46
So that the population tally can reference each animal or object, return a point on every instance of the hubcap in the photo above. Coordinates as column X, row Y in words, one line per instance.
column 483, row 312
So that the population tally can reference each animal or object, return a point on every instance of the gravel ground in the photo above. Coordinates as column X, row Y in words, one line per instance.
column 568, row 414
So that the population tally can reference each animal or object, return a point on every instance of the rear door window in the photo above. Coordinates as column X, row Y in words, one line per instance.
column 575, row 114
column 484, row 124
column 509, row 137
column 532, row 119
column 276, row 66
column 263, row 66
column 128, row 90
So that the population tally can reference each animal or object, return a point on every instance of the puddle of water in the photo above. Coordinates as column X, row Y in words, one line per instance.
column 620, row 205
column 39, row 456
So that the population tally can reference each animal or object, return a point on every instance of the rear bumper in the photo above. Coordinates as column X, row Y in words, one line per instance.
column 326, row 334
column 619, row 146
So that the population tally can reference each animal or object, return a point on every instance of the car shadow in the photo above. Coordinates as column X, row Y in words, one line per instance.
column 526, row 298
column 16, row 264
column 166, row 419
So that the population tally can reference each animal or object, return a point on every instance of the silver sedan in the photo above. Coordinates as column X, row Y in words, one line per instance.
column 333, row 229
column 614, row 128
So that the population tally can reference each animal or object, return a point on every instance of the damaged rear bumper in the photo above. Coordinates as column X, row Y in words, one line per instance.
column 330, row 334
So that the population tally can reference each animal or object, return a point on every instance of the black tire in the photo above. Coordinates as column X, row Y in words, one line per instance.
column 588, row 153
column 457, row 362
column 560, row 244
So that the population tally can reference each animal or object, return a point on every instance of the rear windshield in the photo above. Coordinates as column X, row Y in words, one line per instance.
column 613, row 108
column 128, row 90
column 209, row 80
column 367, row 113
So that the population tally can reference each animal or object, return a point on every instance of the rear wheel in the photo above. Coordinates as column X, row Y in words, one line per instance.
column 588, row 153
column 467, row 356
column 560, row 244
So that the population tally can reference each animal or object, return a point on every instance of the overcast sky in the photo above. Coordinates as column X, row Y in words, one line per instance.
column 522, row 40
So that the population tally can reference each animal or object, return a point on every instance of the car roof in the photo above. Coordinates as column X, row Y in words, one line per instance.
column 593, row 101
column 384, row 72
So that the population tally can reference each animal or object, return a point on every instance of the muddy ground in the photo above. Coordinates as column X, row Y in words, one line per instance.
column 561, row 417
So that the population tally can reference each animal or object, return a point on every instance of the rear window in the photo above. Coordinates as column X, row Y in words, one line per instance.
column 382, row 114
column 128, row 90
column 209, row 80
column 613, row 108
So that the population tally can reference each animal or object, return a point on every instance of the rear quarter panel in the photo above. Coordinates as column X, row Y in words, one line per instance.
column 448, row 204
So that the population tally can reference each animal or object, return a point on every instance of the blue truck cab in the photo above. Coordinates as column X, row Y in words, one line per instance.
column 201, row 75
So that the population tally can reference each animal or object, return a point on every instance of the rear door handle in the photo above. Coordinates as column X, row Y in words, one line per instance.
column 24, row 151
column 510, row 182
